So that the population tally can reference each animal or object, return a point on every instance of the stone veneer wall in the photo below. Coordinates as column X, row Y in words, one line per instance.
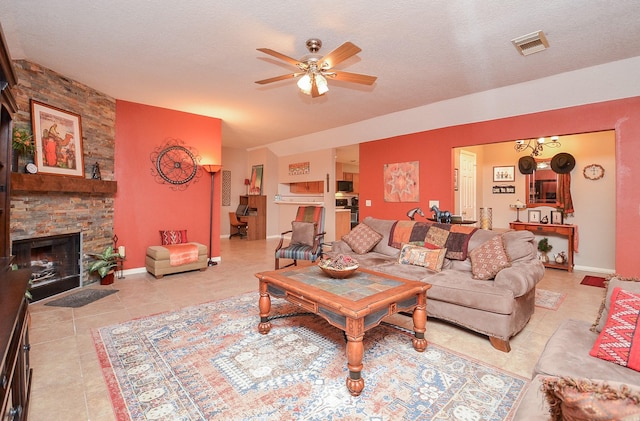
column 43, row 214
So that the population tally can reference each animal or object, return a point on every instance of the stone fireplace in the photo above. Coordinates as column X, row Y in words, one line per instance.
column 55, row 262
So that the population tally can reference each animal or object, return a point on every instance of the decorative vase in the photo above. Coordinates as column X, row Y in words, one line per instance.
column 544, row 258
column 486, row 216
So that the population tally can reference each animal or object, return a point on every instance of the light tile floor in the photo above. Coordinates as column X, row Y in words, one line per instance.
column 67, row 381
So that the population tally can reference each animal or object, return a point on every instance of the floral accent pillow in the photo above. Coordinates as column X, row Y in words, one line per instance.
column 421, row 256
column 619, row 340
column 169, row 237
column 584, row 399
column 362, row 238
column 489, row 258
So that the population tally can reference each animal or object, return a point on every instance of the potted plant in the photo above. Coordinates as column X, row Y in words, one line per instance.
column 544, row 247
column 22, row 145
column 105, row 265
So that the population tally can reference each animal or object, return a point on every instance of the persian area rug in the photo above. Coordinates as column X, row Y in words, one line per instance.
column 594, row 281
column 81, row 298
column 209, row 362
column 549, row 299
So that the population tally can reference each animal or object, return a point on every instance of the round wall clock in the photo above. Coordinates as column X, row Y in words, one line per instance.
column 176, row 164
column 593, row 172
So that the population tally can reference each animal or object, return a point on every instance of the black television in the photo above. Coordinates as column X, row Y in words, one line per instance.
column 345, row 186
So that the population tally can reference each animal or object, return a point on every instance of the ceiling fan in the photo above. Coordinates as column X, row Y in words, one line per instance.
column 315, row 69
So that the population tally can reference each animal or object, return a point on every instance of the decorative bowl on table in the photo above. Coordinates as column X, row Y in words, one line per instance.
column 340, row 266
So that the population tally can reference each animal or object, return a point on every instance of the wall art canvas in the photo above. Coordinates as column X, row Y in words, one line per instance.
column 299, row 168
column 226, row 188
column 57, row 137
column 255, row 187
column 402, row 182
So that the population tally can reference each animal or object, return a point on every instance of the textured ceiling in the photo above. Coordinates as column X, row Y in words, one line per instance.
column 200, row 56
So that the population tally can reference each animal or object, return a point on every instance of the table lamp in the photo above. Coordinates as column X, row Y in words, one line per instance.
column 517, row 206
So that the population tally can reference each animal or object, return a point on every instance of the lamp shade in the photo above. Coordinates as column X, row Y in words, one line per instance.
column 212, row 168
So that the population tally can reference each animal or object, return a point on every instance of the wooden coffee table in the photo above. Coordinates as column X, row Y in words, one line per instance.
column 354, row 305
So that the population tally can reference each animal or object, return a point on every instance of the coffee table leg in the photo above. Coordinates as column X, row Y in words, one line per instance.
column 355, row 351
column 265, row 307
column 420, row 323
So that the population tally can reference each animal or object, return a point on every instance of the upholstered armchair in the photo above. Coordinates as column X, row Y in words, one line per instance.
column 307, row 234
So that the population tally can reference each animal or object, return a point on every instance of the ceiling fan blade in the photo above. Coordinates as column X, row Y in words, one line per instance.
column 339, row 55
column 278, row 78
column 283, row 57
column 351, row 77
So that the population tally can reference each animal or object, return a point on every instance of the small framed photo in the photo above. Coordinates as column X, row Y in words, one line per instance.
column 506, row 174
column 57, row 136
column 557, row 217
column 534, row 216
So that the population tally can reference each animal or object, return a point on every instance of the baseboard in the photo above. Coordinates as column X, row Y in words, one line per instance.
column 596, row 270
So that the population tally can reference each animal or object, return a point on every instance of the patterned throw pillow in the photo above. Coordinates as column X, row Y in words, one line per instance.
column 488, row 259
column 422, row 256
column 583, row 399
column 303, row 233
column 619, row 341
column 169, row 237
column 628, row 284
column 362, row 238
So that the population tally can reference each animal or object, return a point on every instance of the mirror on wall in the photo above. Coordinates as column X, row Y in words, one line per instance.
column 541, row 185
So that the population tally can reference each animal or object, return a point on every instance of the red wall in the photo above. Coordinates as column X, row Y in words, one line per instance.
column 143, row 206
column 433, row 150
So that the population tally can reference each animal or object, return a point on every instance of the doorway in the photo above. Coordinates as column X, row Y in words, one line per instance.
column 467, row 185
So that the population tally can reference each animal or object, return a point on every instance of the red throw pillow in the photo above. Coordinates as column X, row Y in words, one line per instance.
column 169, row 237
column 619, row 341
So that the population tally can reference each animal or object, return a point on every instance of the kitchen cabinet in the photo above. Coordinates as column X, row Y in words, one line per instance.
column 343, row 222
column 354, row 177
column 316, row 187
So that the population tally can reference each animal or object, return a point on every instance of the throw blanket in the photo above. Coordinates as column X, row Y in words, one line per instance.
column 181, row 254
column 453, row 237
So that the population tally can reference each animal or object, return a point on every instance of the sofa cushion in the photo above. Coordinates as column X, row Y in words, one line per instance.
column 422, row 256
column 383, row 227
column 362, row 238
column 619, row 340
column 489, row 259
column 628, row 284
column 162, row 253
column 589, row 400
column 303, row 233
column 168, row 237
column 520, row 246
column 567, row 354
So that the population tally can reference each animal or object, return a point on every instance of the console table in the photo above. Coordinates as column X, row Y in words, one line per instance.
column 568, row 231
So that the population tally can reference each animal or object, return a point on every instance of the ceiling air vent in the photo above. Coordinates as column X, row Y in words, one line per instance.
column 531, row 43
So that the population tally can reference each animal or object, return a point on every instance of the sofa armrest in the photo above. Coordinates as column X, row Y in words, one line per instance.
column 340, row 246
column 520, row 278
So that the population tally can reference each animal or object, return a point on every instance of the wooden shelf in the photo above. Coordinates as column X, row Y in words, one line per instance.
column 43, row 183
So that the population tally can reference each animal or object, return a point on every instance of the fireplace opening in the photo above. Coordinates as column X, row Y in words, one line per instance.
column 55, row 263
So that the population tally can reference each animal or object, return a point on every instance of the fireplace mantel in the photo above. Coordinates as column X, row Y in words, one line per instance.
column 43, row 183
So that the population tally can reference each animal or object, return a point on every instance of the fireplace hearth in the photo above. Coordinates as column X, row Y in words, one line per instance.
column 55, row 262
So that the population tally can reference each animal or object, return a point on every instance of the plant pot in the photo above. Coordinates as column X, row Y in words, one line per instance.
column 108, row 278
column 544, row 258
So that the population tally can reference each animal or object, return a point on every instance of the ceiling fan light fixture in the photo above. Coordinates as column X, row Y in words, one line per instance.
column 321, row 82
column 305, row 84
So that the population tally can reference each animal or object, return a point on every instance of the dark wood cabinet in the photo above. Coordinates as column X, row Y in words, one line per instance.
column 257, row 218
column 15, row 369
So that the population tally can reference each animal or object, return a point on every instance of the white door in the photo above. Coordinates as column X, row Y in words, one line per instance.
column 467, row 185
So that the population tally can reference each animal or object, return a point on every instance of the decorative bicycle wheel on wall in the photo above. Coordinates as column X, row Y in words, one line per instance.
column 175, row 164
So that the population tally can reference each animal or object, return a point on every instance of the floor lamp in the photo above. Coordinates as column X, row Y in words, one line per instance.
column 211, row 169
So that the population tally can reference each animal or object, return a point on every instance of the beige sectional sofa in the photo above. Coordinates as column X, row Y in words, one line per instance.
column 498, row 307
column 566, row 358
